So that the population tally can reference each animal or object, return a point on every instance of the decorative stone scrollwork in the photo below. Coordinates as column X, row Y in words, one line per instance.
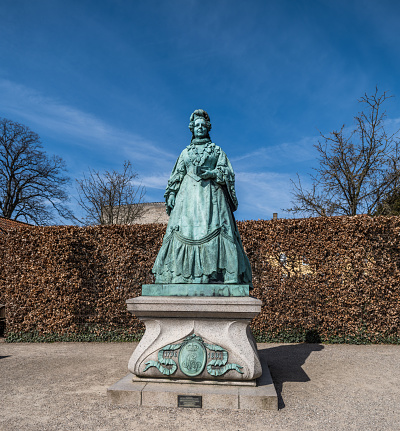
column 192, row 358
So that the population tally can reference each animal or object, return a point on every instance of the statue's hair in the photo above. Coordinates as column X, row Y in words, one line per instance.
column 199, row 113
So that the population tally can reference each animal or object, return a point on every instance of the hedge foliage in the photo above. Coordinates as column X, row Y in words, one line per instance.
column 320, row 279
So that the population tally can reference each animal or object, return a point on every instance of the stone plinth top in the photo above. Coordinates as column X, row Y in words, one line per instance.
column 194, row 289
column 195, row 307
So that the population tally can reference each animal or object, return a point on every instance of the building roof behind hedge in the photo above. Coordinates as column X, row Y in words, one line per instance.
column 6, row 224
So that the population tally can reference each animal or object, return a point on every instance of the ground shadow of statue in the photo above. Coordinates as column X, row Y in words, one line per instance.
column 285, row 364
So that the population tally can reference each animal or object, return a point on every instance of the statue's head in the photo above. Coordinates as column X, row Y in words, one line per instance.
column 199, row 114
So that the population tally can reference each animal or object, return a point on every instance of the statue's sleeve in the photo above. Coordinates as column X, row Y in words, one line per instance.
column 226, row 178
column 175, row 180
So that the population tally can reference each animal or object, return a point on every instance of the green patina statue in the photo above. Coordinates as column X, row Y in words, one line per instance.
column 202, row 243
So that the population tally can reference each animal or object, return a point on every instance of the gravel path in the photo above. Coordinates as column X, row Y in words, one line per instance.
column 62, row 386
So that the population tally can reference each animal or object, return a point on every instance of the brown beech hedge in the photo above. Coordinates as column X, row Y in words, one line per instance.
column 335, row 278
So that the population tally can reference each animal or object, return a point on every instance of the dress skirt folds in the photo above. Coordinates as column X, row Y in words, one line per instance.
column 202, row 243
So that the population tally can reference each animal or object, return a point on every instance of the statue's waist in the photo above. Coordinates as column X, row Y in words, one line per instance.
column 201, row 239
column 198, row 170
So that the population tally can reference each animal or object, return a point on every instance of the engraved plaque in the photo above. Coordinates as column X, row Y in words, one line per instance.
column 192, row 358
column 190, row 401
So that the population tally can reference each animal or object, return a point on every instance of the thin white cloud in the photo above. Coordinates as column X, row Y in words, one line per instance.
column 158, row 182
column 262, row 194
column 69, row 124
column 277, row 155
column 289, row 154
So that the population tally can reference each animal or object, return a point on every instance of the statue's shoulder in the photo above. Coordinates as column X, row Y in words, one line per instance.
column 184, row 152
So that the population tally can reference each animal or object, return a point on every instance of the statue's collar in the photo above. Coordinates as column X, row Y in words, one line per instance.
column 198, row 141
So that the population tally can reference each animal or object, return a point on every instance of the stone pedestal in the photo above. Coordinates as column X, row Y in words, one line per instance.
column 196, row 338
column 197, row 351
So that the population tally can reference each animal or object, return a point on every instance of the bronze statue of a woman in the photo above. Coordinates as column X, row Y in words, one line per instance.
column 202, row 243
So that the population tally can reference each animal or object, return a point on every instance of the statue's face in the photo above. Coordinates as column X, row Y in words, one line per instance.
column 200, row 129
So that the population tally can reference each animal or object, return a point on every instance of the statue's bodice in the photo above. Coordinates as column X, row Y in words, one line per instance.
column 193, row 162
column 204, row 156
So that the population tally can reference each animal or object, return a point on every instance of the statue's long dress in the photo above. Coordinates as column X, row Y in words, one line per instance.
column 202, row 242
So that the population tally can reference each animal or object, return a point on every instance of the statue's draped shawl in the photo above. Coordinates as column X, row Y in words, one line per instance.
column 202, row 239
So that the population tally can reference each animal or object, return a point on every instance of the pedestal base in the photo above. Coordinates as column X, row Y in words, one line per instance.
column 200, row 338
column 206, row 396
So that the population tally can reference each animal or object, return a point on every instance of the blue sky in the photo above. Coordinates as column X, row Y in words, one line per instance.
column 106, row 81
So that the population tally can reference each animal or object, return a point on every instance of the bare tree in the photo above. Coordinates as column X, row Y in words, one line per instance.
column 31, row 182
column 357, row 169
column 111, row 197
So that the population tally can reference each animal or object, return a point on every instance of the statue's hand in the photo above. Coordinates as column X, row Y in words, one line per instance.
column 208, row 175
column 171, row 201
